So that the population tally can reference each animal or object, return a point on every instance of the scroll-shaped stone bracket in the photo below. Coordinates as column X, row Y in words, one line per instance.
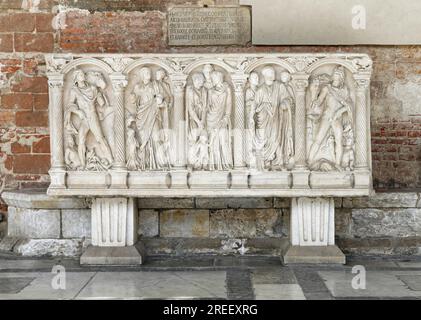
column 114, row 233
column 313, row 232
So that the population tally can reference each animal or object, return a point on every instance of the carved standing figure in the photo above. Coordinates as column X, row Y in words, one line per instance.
column 273, row 122
column 331, row 110
column 152, row 103
column 196, row 104
column 218, row 123
column 207, row 72
column 89, row 104
column 253, row 84
column 133, row 161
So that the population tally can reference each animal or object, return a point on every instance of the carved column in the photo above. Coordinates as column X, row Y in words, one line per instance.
column 239, row 176
column 57, row 171
column 300, row 83
column 239, row 133
column 361, row 177
column 300, row 173
column 119, row 171
column 361, row 141
column 178, row 133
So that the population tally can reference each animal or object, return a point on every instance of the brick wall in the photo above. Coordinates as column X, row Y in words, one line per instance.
column 27, row 30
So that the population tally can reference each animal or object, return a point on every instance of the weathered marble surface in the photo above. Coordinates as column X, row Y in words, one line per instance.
column 219, row 25
column 354, row 22
column 182, row 125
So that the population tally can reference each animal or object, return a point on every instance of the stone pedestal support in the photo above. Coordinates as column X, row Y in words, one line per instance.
column 312, row 233
column 114, row 233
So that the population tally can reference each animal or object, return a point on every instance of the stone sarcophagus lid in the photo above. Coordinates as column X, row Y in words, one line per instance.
column 176, row 125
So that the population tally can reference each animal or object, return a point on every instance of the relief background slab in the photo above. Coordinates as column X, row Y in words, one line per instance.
column 210, row 125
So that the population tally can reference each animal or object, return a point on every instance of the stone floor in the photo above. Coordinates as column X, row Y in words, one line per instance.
column 210, row 278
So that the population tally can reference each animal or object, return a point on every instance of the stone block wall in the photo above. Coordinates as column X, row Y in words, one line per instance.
column 387, row 223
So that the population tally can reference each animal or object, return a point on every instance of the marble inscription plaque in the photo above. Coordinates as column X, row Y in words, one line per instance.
column 208, row 26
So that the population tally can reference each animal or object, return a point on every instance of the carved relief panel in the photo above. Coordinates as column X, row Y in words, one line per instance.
column 262, row 125
column 149, row 104
column 209, row 101
column 270, row 104
column 330, row 105
column 88, row 120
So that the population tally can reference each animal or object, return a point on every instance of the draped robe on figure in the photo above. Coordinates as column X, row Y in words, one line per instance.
column 151, row 119
column 220, row 104
column 196, row 102
column 273, row 119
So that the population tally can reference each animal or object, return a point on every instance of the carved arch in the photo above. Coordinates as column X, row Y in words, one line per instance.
column 328, row 61
column 189, row 68
column 145, row 61
column 87, row 61
column 265, row 61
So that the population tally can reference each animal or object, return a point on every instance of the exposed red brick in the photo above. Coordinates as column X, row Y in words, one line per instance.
column 17, row 22
column 10, row 65
column 27, row 177
column 32, row 118
column 41, row 101
column 20, row 148
column 8, row 163
column 34, row 42
column 6, row 42
column 7, row 118
column 31, row 84
column 33, row 184
column 43, row 22
column 22, row 22
column 17, row 100
column 41, row 146
column 27, row 163
column 101, row 32
column 30, row 66
column 414, row 134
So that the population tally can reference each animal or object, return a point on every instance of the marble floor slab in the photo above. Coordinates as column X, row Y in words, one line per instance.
column 156, row 285
column 209, row 277
column 278, row 292
column 380, row 284
column 42, row 287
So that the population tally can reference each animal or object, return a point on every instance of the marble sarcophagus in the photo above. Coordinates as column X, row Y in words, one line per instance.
column 217, row 125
